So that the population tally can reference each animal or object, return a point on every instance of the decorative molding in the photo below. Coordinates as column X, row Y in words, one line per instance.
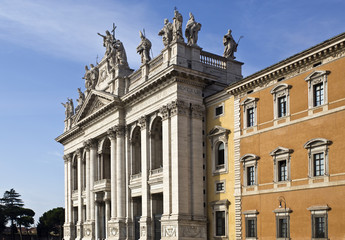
column 198, row 111
column 142, row 122
column 178, row 107
column 164, row 111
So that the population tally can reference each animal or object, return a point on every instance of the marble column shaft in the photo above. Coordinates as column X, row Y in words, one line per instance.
column 111, row 135
column 80, row 200
column 93, row 158
column 120, row 172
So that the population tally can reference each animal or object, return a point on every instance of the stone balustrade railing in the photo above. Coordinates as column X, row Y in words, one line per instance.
column 213, row 60
column 135, row 176
column 156, row 171
column 156, row 62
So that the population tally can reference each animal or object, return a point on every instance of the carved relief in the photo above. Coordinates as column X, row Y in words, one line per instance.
column 142, row 231
column 169, row 231
column 192, row 231
column 119, row 130
column 178, row 107
column 111, row 134
column 142, row 122
column 197, row 111
column 164, row 111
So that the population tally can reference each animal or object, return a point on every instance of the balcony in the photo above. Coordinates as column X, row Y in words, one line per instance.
column 101, row 185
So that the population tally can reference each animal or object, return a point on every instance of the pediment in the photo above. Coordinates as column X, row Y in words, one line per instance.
column 218, row 130
column 316, row 74
column 94, row 102
column 280, row 151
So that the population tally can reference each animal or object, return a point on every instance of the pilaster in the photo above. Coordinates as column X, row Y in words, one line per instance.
column 80, row 200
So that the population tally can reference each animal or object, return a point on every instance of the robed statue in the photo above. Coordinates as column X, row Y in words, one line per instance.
column 192, row 30
column 166, row 32
column 144, row 48
column 230, row 46
column 177, row 27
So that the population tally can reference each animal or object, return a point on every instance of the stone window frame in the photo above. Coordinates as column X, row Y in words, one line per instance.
column 218, row 182
column 216, row 136
column 250, row 160
column 281, row 154
column 282, row 213
column 249, row 103
column 251, row 215
column 223, row 110
column 219, row 206
column 319, row 211
column 313, row 79
column 315, row 146
column 279, row 91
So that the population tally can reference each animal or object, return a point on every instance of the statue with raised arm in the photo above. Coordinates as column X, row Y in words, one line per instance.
column 177, row 27
column 144, row 48
column 80, row 100
column 70, row 107
column 66, row 105
column 108, row 42
column 166, row 32
column 230, row 46
column 192, row 30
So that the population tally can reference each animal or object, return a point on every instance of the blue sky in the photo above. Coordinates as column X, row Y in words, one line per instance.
column 45, row 44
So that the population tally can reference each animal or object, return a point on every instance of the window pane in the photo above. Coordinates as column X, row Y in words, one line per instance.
column 220, row 157
column 319, row 164
column 219, row 110
column 250, row 117
column 251, row 228
column 320, row 227
column 220, row 186
column 318, row 94
column 282, row 171
column 220, row 223
column 250, row 176
column 282, row 227
column 282, row 106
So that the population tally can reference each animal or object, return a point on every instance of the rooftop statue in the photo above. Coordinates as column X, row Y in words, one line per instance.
column 177, row 27
column 192, row 30
column 230, row 46
column 166, row 32
column 69, row 108
column 91, row 77
column 80, row 100
column 144, row 48
column 115, row 52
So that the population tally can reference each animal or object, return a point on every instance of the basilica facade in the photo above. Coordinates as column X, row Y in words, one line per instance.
column 134, row 147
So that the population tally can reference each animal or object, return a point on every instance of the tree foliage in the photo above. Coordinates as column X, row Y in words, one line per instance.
column 51, row 222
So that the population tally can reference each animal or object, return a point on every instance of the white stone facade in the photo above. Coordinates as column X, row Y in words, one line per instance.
column 134, row 152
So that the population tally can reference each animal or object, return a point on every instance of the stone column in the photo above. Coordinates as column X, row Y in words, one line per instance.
column 91, row 228
column 80, row 200
column 96, row 204
column 87, row 176
column 120, row 172
column 112, row 136
column 67, row 226
column 145, row 220
column 107, row 213
column 167, row 194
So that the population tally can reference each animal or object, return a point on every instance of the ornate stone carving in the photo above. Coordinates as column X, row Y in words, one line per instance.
column 142, row 122
column 142, row 231
column 165, row 112
column 119, row 130
column 80, row 100
column 69, row 108
column 177, row 27
column 178, row 107
column 67, row 158
column 198, row 111
column 114, row 231
column 144, row 48
column 230, row 46
column 192, row 30
column 78, row 152
column 111, row 133
column 169, row 231
column 166, row 32
column 192, row 231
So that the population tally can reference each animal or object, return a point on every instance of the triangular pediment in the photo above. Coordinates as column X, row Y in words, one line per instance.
column 316, row 74
column 280, row 150
column 94, row 102
column 217, row 130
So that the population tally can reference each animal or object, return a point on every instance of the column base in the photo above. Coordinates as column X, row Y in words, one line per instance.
column 145, row 228
column 68, row 231
column 89, row 230
column 175, row 227
column 117, row 230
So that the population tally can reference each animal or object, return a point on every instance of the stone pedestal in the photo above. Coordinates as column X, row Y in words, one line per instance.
column 68, row 231
column 116, row 230
column 145, row 228
column 183, row 229
column 89, row 230
column 79, row 233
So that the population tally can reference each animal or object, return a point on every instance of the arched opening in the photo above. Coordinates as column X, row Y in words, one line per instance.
column 106, row 159
column 220, row 154
column 136, row 151
column 84, row 171
column 156, row 144
column 75, row 173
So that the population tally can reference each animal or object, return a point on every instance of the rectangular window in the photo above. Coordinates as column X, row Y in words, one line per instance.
column 250, row 176
column 283, row 227
column 282, row 106
column 220, row 186
column 319, row 227
column 220, row 223
column 318, row 94
column 250, row 227
column 282, row 171
column 319, row 164
column 219, row 110
column 250, row 117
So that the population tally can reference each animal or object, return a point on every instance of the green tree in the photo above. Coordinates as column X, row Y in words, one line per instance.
column 2, row 219
column 51, row 222
column 13, row 211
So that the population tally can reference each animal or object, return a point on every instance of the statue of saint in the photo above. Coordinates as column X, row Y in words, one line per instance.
column 91, row 77
column 80, row 100
column 192, row 30
column 144, row 48
column 108, row 42
column 230, row 46
column 121, row 56
column 69, row 108
column 166, row 32
column 177, row 26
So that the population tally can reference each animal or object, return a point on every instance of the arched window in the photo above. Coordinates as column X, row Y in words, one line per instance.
column 156, row 144
column 75, row 173
column 136, row 151
column 106, row 159
column 84, row 171
column 220, row 154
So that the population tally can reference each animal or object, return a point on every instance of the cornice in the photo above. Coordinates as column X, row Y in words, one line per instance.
column 298, row 62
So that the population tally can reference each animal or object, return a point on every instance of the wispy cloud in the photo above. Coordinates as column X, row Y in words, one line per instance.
column 68, row 29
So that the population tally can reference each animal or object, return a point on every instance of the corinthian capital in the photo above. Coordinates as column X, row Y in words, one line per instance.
column 119, row 130
column 178, row 107
column 111, row 133
column 67, row 158
column 198, row 111
column 143, row 122
column 164, row 111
